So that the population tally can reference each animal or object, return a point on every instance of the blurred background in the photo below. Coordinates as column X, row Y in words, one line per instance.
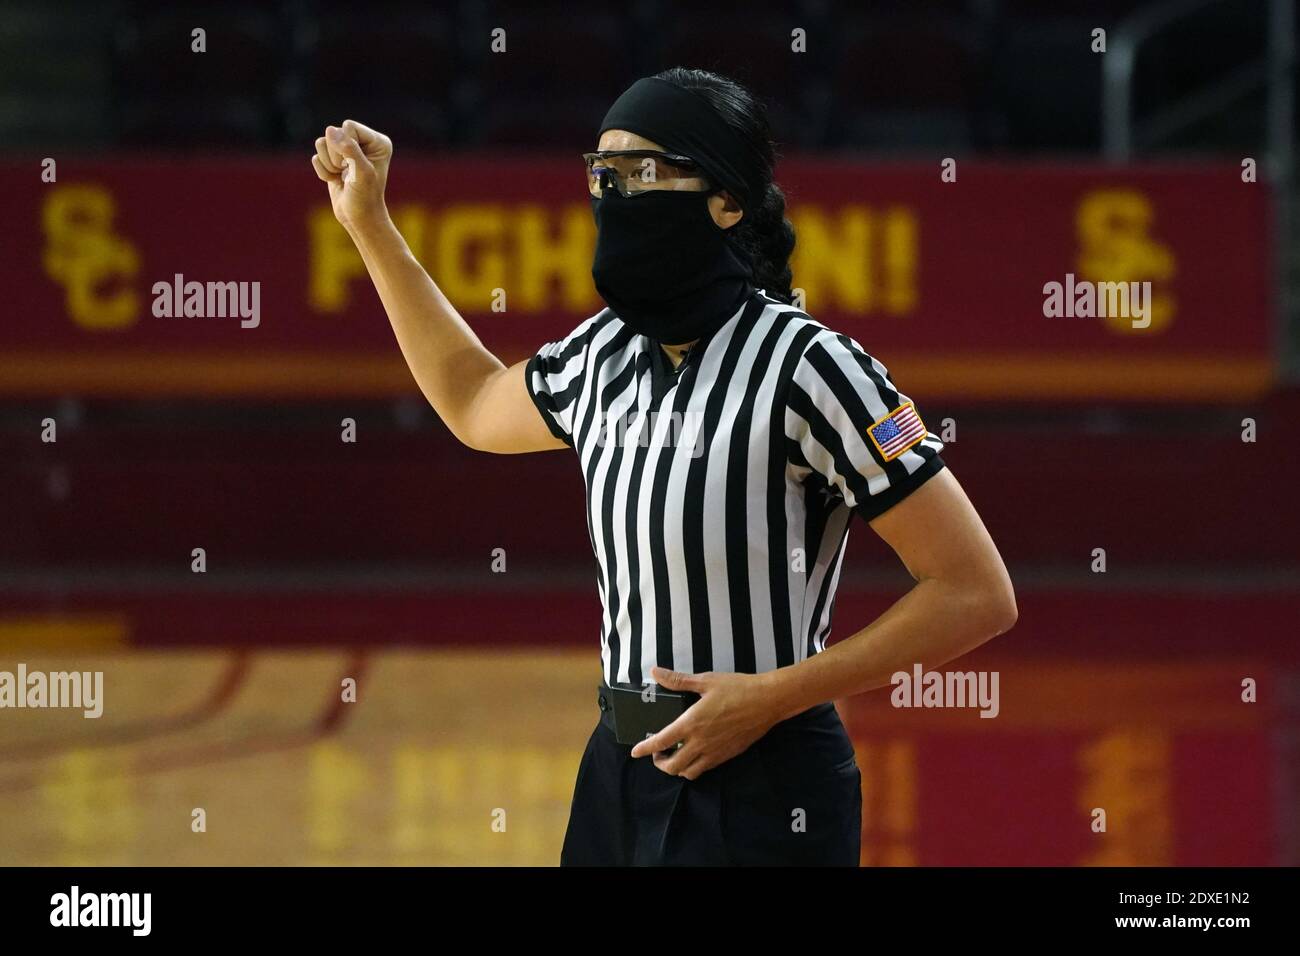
column 457, row 589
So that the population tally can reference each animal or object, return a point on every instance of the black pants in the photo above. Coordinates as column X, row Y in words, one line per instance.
column 794, row 798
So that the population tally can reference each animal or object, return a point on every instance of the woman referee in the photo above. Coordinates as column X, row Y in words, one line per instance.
column 726, row 439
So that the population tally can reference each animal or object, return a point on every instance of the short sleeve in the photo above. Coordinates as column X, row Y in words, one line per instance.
column 846, row 421
column 554, row 378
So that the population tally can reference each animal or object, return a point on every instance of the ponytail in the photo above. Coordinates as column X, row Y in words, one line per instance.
column 767, row 238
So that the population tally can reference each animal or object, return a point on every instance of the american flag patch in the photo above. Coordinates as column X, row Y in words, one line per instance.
column 897, row 432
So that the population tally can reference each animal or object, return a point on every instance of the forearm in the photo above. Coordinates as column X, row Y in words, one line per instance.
column 933, row 623
column 449, row 363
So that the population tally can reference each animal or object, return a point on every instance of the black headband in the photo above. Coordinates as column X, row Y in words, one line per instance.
column 685, row 123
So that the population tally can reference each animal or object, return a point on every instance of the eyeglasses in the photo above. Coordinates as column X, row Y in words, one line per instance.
column 634, row 172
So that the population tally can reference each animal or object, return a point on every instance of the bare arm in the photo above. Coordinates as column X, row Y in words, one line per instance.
column 962, row 598
column 484, row 403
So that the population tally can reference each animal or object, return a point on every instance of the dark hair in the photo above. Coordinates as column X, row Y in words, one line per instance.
column 764, row 235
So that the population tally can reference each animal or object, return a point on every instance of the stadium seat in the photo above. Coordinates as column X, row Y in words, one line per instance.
column 539, row 92
column 197, row 122
column 61, row 99
column 552, row 122
column 244, row 53
column 1047, row 84
column 904, row 84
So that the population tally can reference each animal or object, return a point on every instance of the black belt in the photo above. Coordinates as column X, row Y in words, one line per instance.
column 642, row 717
column 634, row 713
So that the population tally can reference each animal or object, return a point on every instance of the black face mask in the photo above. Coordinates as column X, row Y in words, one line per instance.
column 664, row 266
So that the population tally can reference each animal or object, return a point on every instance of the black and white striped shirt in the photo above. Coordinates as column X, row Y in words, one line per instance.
column 719, row 493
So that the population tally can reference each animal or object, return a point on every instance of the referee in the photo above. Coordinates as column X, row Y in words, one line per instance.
column 725, row 439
